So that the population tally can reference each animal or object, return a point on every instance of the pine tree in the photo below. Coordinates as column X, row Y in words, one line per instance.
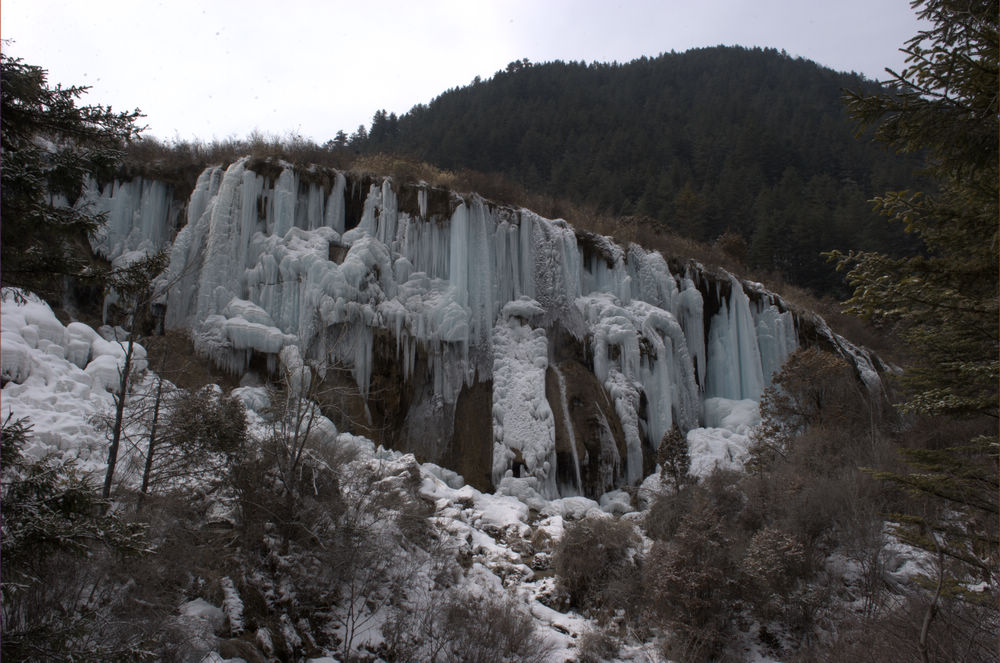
column 50, row 146
column 131, row 288
column 358, row 138
column 54, row 524
column 674, row 458
column 943, row 106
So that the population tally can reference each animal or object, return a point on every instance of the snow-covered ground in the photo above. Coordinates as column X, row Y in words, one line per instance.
column 61, row 377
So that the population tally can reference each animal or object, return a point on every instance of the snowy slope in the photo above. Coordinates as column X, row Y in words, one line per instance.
column 60, row 376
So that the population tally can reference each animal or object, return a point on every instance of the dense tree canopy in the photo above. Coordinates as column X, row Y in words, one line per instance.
column 714, row 139
column 50, row 145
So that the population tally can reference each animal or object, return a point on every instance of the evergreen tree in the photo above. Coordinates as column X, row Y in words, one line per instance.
column 380, row 129
column 943, row 106
column 50, row 146
column 130, row 287
column 338, row 142
column 54, row 527
column 674, row 458
column 358, row 138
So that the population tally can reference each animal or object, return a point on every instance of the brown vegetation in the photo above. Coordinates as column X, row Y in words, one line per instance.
column 761, row 554
column 595, row 563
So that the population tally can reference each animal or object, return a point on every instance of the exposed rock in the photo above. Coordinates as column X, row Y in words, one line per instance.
column 470, row 452
column 598, row 435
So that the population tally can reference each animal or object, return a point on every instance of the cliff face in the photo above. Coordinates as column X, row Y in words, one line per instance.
column 484, row 338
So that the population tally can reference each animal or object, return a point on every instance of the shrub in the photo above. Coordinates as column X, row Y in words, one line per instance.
column 596, row 646
column 690, row 578
column 491, row 629
column 666, row 513
column 814, row 389
column 773, row 566
column 453, row 625
column 961, row 633
column 733, row 245
column 594, row 561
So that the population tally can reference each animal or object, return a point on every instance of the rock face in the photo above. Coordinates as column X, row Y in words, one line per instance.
column 590, row 442
column 484, row 338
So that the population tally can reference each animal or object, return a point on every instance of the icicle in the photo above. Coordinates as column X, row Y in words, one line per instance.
column 140, row 216
column 314, row 208
column 422, row 201
column 734, row 365
column 691, row 317
column 458, row 262
column 286, row 191
column 776, row 337
column 335, row 205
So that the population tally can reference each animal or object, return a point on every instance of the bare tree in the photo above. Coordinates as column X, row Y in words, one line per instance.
column 132, row 286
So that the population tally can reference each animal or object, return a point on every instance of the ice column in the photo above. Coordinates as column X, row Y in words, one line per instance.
column 140, row 217
column 523, row 424
column 334, row 215
column 776, row 337
column 734, row 365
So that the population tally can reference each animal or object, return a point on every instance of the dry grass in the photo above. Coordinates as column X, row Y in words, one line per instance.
column 404, row 171
column 179, row 162
column 291, row 147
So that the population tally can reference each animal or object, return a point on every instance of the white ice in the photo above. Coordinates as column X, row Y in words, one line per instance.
column 725, row 442
column 60, row 378
column 263, row 262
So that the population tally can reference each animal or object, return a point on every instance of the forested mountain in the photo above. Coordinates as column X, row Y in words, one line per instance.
column 710, row 140
column 369, row 412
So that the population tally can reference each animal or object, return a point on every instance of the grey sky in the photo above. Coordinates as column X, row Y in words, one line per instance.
column 219, row 68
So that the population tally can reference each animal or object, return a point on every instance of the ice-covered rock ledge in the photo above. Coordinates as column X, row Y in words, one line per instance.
column 459, row 294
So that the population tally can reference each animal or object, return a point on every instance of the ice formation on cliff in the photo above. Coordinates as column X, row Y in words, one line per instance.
column 262, row 263
column 523, row 423
column 60, row 378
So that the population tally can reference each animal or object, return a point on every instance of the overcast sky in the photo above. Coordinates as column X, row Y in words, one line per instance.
column 218, row 68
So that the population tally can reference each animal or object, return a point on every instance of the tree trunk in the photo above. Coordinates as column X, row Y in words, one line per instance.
column 933, row 607
column 152, row 440
column 116, row 432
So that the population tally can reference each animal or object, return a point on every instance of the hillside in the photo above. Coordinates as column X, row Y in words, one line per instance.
column 745, row 140
column 479, row 393
column 365, row 413
column 473, row 386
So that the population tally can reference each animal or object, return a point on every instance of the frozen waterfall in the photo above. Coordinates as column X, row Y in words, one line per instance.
column 475, row 291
